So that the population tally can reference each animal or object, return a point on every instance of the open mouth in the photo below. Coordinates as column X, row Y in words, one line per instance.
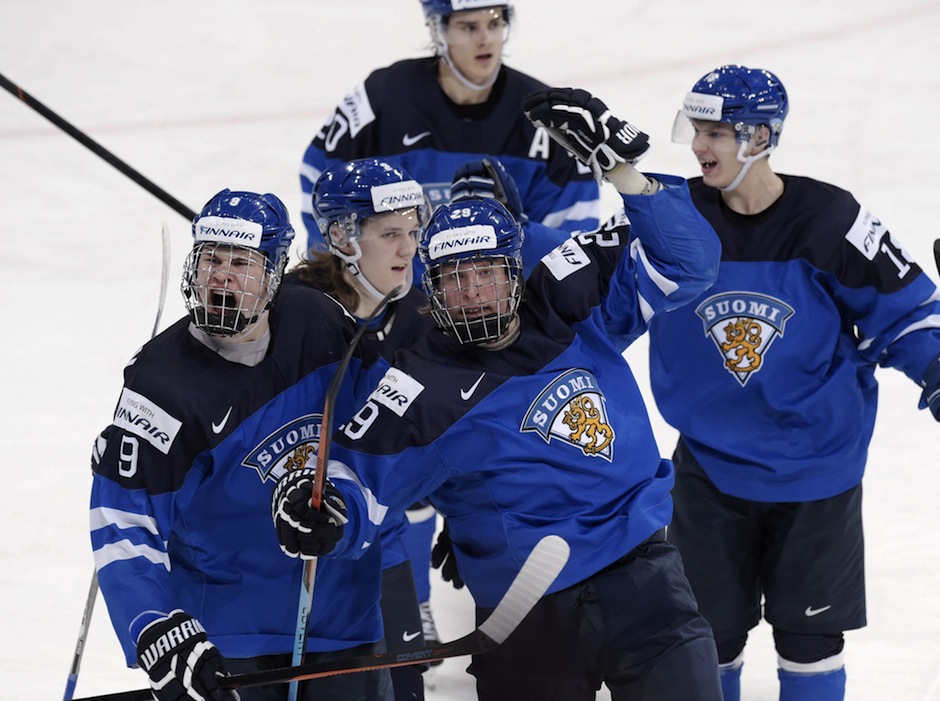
column 221, row 300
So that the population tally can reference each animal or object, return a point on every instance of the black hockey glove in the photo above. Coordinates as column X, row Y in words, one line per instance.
column 487, row 179
column 302, row 531
column 931, row 396
column 442, row 557
column 582, row 124
column 183, row 665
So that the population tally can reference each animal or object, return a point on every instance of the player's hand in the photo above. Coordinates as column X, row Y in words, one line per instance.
column 487, row 178
column 582, row 124
column 442, row 557
column 931, row 395
column 181, row 662
column 303, row 531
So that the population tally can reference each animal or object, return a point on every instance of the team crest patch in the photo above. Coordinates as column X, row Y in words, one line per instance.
column 743, row 325
column 573, row 410
column 288, row 448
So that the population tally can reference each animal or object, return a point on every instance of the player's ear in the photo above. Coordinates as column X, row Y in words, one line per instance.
column 760, row 140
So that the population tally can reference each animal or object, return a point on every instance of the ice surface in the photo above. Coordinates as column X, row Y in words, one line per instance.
column 198, row 96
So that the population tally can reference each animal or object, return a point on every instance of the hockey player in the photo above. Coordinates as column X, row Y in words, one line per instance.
column 214, row 410
column 429, row 115
column 369, row 214
column 520, row 418
column 769, row 379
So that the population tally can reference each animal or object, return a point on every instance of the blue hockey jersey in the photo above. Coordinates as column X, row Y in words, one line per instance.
column 181, row 493
column 549, row 435
column 769, row 375
column 400, row 113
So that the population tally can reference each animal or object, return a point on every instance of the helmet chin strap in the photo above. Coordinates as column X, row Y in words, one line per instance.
column 748, row 161
column 352, row 264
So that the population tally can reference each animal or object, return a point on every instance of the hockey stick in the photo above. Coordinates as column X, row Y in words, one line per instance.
column 936, row 254
column 93, row 585
column 316, row 495
column 96, row 148
column 541, row 568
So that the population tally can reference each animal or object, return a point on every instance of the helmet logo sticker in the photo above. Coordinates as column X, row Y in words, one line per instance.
column 479, row 237
column 743, row 325
column 240, row 232
column 394, row 196
column 573, row 410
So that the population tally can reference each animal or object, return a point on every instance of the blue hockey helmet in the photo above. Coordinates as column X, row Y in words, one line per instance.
column 461, row 239
column 348, row 193
column 746, row 98
column 445, row 8
column 241, row 246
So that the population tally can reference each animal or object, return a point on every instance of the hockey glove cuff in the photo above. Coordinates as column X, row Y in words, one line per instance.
column 181, row 662
column 303, row 531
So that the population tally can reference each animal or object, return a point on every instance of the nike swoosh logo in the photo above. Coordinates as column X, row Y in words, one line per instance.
column 408, row 637
column 407, row 140
column 465, row 394
column 217, row 427
column 810, row 611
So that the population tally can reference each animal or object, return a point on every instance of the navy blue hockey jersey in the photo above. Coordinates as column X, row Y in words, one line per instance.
column 549, row 435
column 769, row 375
column 180, row 502
column 400, row 113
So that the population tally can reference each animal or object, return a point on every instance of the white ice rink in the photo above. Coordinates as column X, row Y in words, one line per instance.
column 204, row 95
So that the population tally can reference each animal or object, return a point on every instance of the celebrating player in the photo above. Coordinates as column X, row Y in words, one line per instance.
column 213, row 411
column 520, row 418
column 369, row 214
column 769, row 378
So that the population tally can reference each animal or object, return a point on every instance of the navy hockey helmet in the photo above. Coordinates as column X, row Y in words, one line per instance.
column 461, row 247
column 746, row 98
column 241, row 246
column 348, row 193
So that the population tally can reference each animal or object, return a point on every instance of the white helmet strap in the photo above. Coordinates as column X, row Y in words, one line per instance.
column 748, row 161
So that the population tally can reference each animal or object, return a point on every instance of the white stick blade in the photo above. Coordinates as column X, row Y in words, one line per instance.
column 540, row 569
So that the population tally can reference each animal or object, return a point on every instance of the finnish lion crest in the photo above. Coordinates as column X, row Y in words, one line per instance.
column 743, row 325
column 572, row 409
column 290, row 447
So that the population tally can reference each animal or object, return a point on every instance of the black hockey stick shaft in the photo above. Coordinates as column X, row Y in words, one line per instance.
column 97, row 148
column 72, row 679
column 540, row 570
column 316, row 496
column 936, row 254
